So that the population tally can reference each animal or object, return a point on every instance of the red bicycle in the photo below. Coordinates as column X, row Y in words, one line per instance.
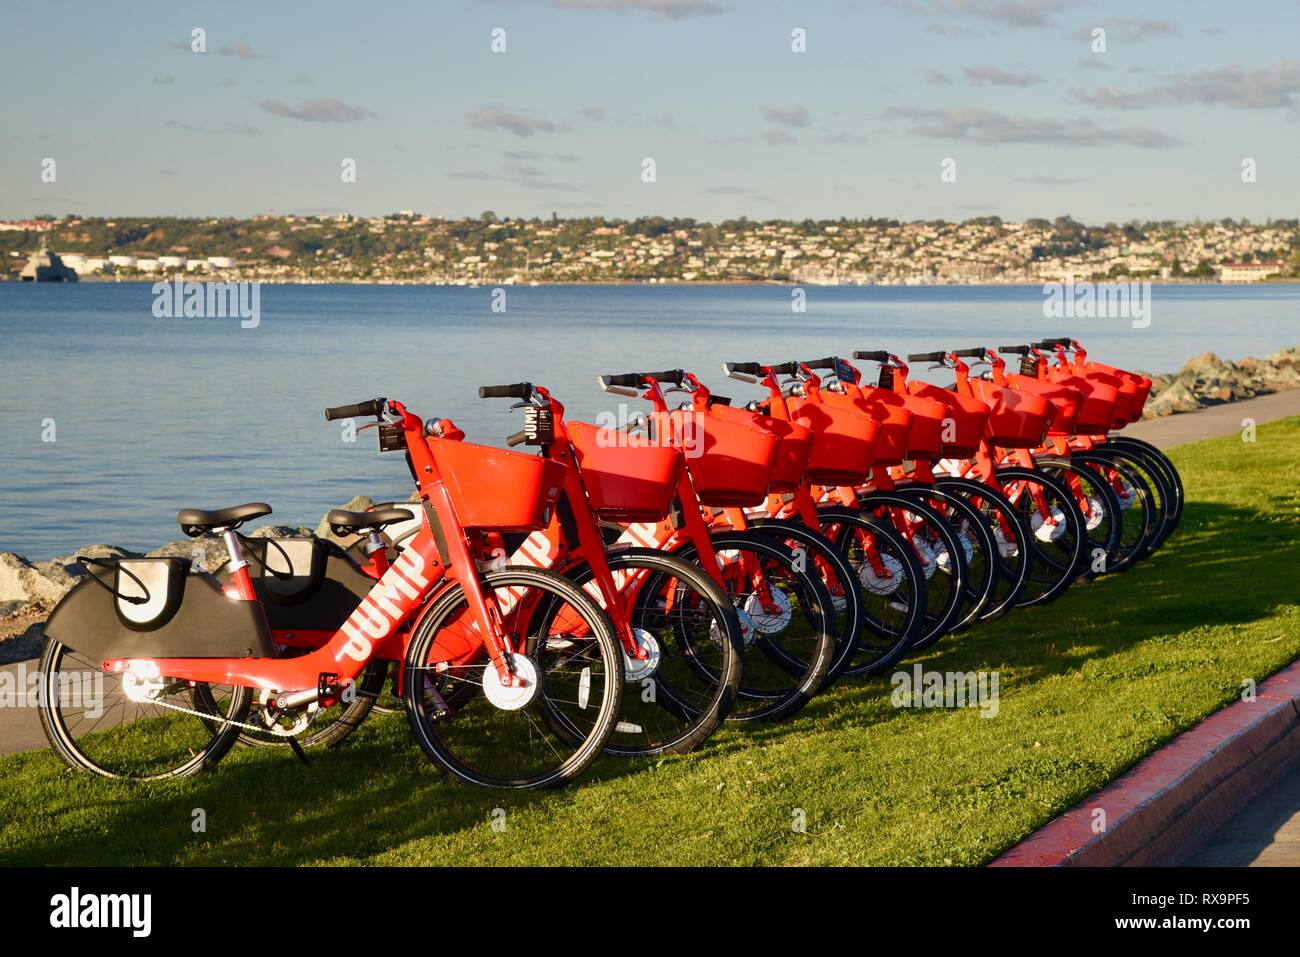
column 788, row 614
column 531, row 660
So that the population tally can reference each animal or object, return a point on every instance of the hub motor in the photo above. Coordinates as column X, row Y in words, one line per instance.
column 638, row 669
column 1048, row 531
column 885, row 584
column 512, row 698
column 770, row 621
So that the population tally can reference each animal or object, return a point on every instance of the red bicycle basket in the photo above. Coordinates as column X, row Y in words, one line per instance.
column 844, row 440
column 730, row 463
column 968, row 417
column 1130, row 410
column 1100, row 401
column 794, row 444
column 925, row 438
column 625, row 483
column 1064, row 399
column 1017, row 420
column 889, row 412
column 493, row 488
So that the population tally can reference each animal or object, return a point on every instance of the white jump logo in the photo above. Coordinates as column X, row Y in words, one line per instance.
column 381, row 611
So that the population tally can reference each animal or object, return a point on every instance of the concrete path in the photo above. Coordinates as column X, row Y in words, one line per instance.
column 1215, row 420
column 1265, row 834
column 20, row 726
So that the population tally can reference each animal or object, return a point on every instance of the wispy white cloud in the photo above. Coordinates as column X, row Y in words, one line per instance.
column 492, row 118
column 668, row 9
column 988, row 128
column 325, row 110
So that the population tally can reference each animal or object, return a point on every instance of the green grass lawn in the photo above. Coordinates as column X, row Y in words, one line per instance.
column 1088, row 686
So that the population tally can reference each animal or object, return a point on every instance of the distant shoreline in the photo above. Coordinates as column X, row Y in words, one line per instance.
column 149, row 281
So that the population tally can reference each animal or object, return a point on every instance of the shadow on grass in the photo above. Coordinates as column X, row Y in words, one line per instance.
column 1224, row 566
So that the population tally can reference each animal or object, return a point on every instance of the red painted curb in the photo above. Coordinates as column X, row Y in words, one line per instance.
column 1156, row 811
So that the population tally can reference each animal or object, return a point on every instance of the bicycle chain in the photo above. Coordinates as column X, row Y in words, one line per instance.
column 238, row 724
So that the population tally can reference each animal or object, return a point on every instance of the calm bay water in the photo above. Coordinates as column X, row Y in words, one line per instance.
column 153, row 414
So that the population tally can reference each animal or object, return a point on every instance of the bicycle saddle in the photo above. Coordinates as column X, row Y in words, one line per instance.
column 196, row 521
column 350, row 523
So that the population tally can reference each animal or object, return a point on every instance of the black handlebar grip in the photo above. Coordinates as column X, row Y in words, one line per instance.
column 977, row 353
column 744, row 368
column 631, row 379
column 880, row 355
column 518, row 390
column 1015, row 350
column 1060, row 341
column 785, row 368
column 827, row 363
column 519, row 438
column 674, row 376
column 925, row 357
column 369, row 407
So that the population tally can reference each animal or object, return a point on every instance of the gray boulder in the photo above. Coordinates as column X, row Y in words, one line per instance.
column 281, row 531
column 42, row 582
column 358, row 504
column 206, row 553
column 1177, row 398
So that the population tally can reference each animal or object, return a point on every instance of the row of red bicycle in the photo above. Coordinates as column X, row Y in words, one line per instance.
column 624, row 590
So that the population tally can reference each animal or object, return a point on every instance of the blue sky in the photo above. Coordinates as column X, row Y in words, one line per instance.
column 1156, row 127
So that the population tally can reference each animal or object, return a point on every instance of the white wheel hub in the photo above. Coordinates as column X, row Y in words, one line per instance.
column 747, row 630
column 141, row 688
column 929, row 561
column 511, row 698
column 1127, row 495
column 638, row 669
column 1050, row 531
column 944, row 560
column 770, row 620
column 1096, row 513
column 1006, row 547
column 885, row 583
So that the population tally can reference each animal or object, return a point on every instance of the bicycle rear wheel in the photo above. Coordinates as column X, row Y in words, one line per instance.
column 145, row 730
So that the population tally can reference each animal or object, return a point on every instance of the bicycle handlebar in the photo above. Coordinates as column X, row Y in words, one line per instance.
column 979, row 352
column 924, row 356
column 744, row 368
column 879, row 355
column 1014, row 350
column 373, row 407
column 1060, row 341
column 518, row 390
column 621, row 384
column 826, row 363
column 673, row 376
column 785, row 368
column 519, row 438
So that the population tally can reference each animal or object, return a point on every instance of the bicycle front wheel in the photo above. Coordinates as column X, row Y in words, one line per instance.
column 539, row 735
column 675, row 697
